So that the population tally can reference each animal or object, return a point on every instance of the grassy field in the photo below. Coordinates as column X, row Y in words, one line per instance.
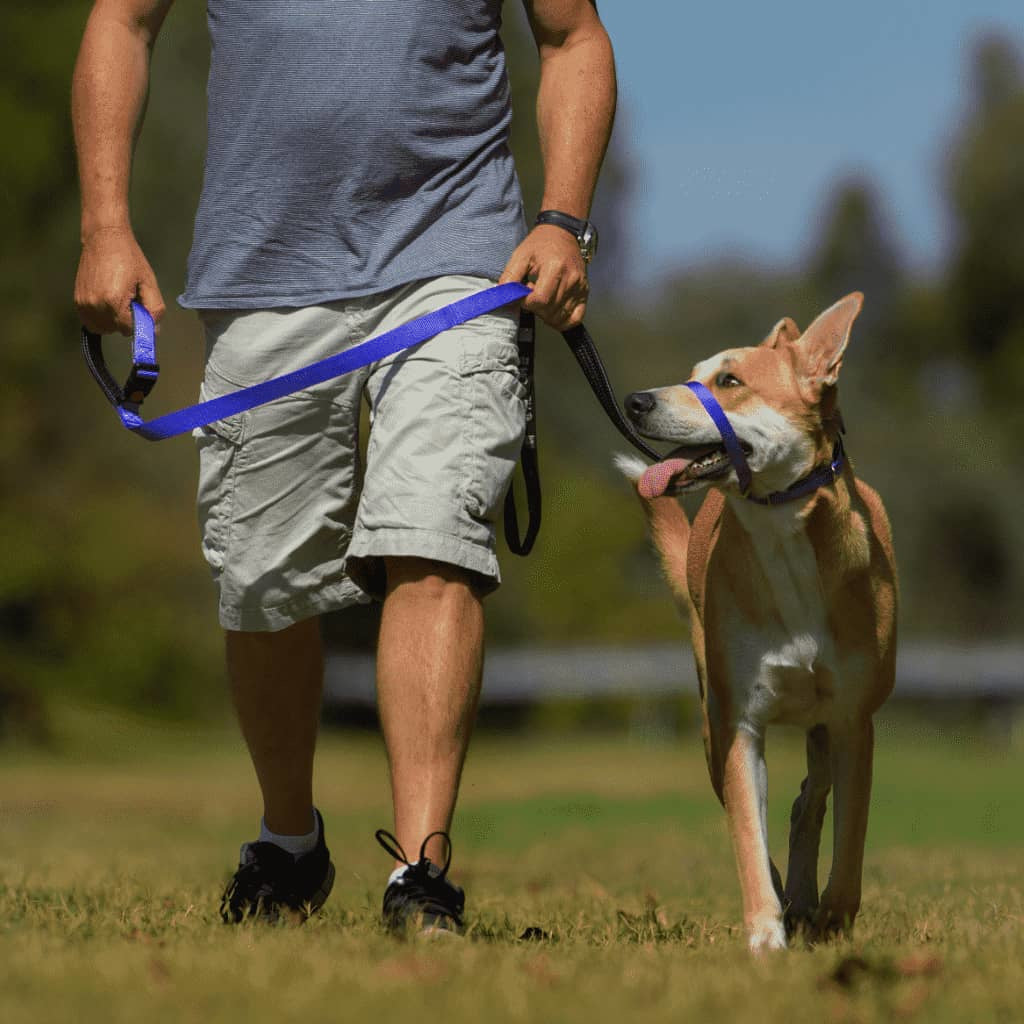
column 113, row 852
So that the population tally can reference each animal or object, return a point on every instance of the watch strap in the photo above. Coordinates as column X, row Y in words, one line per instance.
column 563, row 220
column 583, row 231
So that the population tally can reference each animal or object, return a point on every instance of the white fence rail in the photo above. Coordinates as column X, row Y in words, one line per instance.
column 522, row 675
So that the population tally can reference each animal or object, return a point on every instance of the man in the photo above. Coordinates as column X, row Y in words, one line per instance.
column 357, row 175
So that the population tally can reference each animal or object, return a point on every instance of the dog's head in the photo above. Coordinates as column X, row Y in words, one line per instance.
column 780, row 397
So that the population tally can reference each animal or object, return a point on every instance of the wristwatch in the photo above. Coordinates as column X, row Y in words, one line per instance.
column 583, row 231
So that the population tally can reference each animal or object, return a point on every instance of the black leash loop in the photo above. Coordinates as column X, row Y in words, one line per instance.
column 528, row 458
column 583, row 348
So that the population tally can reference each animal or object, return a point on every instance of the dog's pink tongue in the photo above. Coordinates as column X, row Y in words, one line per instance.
column 656, row 478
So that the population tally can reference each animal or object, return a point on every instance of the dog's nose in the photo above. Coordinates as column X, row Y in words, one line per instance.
column 639, row 403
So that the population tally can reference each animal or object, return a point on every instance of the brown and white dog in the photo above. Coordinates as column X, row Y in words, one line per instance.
column 792, row 606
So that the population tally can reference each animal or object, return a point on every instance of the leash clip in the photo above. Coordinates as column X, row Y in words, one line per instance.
column 140, row 382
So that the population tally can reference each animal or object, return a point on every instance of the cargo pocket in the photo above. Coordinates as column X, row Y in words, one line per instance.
column 495, row 423
column 218, row 445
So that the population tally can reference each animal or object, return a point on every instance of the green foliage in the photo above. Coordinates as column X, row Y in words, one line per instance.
column 103, row 592
column 987, row 199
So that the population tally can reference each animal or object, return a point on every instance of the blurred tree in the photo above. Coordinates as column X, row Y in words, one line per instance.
column 101, row 584
column 855, row 251
column 986, row 192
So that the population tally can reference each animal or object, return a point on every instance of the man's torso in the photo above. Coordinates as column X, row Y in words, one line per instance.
column 354, row 145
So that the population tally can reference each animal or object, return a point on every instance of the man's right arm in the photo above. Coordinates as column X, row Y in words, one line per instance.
column 108, row 100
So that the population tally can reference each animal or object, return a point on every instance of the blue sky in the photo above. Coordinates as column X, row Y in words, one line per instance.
column 737, row 117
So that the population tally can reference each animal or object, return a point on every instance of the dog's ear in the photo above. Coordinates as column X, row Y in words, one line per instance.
column 785, row 330
column 819, row 351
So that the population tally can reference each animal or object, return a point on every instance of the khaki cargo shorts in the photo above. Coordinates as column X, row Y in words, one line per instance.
column 293, row 523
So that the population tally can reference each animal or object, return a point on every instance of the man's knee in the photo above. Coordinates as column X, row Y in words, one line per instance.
column 430, row 578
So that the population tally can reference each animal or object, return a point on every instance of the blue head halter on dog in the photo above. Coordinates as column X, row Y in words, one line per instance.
column 821, row 476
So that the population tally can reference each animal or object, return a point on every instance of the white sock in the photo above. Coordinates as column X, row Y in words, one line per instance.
column 295, row 845
column 396, row 874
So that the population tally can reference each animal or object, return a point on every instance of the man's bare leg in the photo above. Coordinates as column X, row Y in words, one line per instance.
column 276, row 684
column 429, row 665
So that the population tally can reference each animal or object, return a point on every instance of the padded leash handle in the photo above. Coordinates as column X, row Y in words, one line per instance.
column 145, row 370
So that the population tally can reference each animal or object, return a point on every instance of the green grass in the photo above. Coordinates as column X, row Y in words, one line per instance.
column 113, row 851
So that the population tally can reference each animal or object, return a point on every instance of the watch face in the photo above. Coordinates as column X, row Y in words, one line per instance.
column 588, row 242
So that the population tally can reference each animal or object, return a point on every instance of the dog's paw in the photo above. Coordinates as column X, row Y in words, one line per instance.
column 766, row 936
column 630, row 466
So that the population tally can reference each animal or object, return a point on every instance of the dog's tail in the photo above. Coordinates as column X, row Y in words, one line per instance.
column 669, row 527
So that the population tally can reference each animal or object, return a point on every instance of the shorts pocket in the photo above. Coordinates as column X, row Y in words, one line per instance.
column 500, row 363
column 495, row 425
column 218, row 446
column 231, row 428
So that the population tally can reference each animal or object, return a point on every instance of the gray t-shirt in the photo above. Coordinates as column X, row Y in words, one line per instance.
column 353, row 146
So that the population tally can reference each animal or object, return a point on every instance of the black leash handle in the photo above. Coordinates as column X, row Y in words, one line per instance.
column 583, row 348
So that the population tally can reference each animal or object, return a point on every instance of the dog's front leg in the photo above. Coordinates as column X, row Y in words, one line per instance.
column 851, row 756
column 745, row 793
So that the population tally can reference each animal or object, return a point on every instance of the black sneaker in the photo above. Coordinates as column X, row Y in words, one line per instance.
column 269, row 880
column 421, row 897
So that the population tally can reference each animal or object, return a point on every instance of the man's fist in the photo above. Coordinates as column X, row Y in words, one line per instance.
column 549, row 260
column 112, row 271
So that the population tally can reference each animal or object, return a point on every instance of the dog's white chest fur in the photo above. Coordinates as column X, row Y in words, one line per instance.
column 786, row 655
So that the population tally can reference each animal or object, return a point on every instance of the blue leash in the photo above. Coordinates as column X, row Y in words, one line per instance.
column 145, row 370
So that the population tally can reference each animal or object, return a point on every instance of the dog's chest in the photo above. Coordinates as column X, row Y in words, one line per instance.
column 781, row 650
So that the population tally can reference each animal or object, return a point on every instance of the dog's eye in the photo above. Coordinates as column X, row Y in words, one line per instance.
column 727, row 380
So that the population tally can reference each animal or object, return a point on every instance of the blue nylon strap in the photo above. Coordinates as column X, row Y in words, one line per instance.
column 820, row 477
column 143, row 335
column 183, row 420
column 729, row 438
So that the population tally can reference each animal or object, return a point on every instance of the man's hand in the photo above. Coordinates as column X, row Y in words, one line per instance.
column 549, row 260
column 112, row 271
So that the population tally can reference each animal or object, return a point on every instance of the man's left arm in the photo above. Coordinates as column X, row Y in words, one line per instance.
column 575, row 110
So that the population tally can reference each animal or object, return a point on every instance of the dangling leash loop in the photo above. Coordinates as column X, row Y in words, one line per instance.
column 528, row 457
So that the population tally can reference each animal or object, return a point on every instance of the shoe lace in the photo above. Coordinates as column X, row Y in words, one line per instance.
column 394, row 847
column 431, row 893
column 251, row 881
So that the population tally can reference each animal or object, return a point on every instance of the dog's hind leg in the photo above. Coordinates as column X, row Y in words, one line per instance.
column 801, row 893
column 851, row 755
column 745, row 792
